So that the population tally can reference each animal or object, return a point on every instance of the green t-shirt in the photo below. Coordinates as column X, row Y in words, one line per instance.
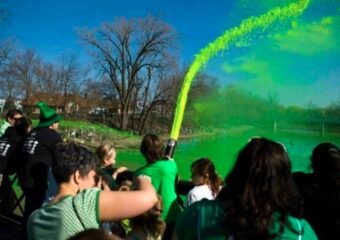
column 3, row 127
column 163, row 175
column 59, row 221
column 205, row 220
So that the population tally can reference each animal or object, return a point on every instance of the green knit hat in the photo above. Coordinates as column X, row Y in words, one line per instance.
column 48, row 116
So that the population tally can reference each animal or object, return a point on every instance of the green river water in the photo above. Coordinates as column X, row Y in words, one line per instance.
column 223, row 148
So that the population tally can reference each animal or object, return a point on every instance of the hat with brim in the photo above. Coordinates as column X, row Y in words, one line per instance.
column 47, row 116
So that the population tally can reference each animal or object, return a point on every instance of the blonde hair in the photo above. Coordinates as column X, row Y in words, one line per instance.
column 104, row 151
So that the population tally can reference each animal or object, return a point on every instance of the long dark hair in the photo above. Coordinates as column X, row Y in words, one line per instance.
column 204, row 166
column 259, row 185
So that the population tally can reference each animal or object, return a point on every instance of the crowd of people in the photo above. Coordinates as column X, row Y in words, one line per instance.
column 74, row 193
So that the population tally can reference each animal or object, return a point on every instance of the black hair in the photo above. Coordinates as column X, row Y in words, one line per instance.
column 12, row 112
column 326, row 162
column 22, row 126
column 70, row 157
column 259, row 185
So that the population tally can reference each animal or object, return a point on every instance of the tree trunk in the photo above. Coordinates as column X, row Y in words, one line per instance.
column 124, row 119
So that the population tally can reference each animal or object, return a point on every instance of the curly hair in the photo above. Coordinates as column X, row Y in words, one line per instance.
column 70, row 157
column 259, row 185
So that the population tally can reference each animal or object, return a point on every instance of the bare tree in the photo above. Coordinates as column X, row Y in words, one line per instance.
column 68, row 74
column 155, row 92
column 7, row 84
column 23, row 68
column 127, row 51
column 46, row 77
column 4, row 53
column 4, row 45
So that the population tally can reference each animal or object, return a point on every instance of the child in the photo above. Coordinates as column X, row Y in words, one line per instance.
column 163, row 173
column 206, row 181
column 107, row 156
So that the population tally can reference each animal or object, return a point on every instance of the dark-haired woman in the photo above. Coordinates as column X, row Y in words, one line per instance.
column 259, row 201
column 321, row 191
column 77, row 205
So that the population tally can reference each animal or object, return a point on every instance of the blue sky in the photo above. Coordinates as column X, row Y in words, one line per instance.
column 297, row 60
column 50, row 26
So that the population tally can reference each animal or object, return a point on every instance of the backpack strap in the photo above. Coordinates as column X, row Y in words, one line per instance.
column 78, row 216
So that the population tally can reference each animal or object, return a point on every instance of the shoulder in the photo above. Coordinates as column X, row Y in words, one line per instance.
column 164, row 163
column 88, row 194
column 293, row 227
column 302, row 227
column 196, row 189
column 204, row 207
column 86, row 204
column 207, row 215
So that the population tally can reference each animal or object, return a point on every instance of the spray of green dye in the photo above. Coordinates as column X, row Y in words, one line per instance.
column 222, row 43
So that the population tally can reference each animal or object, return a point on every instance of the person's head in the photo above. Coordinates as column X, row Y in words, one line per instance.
column 203, row 172
column 48, row 117
column 22, row 126
column 152, row 148
column 74, row 163
column 326, row 161
column 12, row 115
column 262, row 166
column 106, row 154
column 151, row 220
column 93, row 234
column 259, row 185
column 125, row 186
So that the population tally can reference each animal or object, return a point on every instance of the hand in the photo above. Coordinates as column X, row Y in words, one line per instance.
column 145, row 177
column 119, row 170
column 141, row 181
column 102, row 184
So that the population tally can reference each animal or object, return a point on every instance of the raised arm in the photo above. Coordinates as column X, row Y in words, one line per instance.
column 115, row 205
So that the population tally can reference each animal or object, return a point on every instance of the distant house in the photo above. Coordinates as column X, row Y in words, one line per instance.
column 53, row 100
column 69, row 104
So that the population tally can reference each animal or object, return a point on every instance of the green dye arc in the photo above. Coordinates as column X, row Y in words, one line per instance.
column 222, row 43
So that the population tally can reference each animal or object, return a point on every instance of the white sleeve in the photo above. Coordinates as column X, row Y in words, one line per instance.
column 191, row 198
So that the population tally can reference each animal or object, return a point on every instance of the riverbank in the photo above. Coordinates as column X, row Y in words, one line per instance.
column 125, row 141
